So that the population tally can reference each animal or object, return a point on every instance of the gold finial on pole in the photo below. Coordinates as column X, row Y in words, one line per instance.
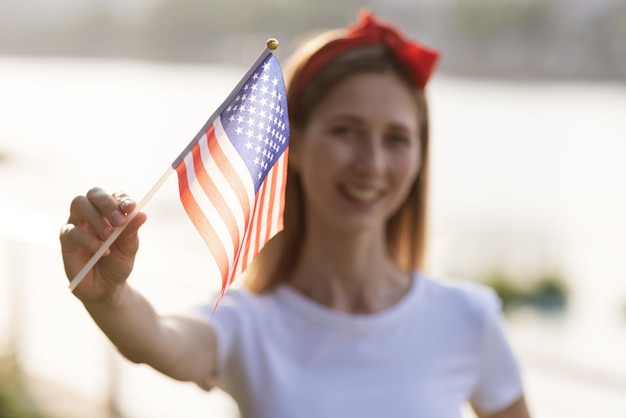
column 272, row 43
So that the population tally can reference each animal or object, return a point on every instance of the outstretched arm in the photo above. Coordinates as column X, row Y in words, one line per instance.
column 182, row 348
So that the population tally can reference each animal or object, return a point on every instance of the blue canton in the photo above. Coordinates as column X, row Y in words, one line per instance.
column 256, row 121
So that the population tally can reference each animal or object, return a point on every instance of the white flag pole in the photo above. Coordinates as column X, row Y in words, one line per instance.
column 272, row 44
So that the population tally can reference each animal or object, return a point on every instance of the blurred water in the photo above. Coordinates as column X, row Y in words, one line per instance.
column 525, row 176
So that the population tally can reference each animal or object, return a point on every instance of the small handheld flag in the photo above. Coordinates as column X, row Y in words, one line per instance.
column 232, row 175
column 232, row 179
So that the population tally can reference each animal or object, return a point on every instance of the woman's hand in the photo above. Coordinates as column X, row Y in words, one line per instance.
column 92, row 220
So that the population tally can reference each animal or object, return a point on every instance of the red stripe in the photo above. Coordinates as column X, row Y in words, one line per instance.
column 258, row 216
column 238, row 265
column 236, row 184
column 272, row 192
column 234, row 272
column 253, row 241
column 254, row 244
column 246, row 247
column 245, row 250
column 213, row 193
column 251, row 236
column 227, row 169
column 201, row 223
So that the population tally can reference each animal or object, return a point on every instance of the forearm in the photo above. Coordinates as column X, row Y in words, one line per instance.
column 131, row 323
column 182, row 348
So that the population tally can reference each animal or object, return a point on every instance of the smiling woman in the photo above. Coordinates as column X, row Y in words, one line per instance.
column 309, row 93
column 365, row 136
column 338, row 301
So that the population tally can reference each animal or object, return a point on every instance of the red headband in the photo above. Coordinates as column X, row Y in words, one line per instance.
column 418, row 60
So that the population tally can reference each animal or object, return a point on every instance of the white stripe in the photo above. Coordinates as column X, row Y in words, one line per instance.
column 235, row 159
column 251, row 237
column 222, row 185
column 252, row 233
column 214, row 270
column 240, row 167
column 210, row 212
column 238, row 267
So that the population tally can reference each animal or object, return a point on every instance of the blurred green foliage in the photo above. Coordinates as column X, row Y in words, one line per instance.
column 14, row 402
column 484, row 18
column 547, row 293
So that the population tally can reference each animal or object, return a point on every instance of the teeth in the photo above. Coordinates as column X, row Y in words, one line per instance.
column 361, row 194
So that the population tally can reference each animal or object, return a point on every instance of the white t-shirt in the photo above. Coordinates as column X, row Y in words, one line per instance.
column 282, row 355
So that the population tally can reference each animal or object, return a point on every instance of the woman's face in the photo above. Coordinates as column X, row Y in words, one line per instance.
column 359, row 154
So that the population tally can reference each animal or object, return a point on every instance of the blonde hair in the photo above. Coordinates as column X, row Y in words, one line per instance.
column 406, row 229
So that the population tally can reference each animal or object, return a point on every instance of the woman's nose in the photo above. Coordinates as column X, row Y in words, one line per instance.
column 371, row 156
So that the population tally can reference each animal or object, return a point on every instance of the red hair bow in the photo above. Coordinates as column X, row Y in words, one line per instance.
column 419, row 60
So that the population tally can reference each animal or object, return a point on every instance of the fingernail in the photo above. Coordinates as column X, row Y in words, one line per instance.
column 124, row 205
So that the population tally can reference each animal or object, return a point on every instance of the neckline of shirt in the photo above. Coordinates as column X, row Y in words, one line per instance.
column 313, row 311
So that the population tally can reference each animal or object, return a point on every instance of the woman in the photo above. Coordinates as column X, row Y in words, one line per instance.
column 335, row 318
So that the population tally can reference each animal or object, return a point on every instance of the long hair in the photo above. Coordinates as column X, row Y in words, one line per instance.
column 406, row 229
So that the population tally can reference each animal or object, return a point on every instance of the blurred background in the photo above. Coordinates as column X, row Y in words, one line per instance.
column 528, row 134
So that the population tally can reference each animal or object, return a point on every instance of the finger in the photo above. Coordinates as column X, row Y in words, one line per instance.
column 72, row 237
column 128, row 241
column 85, row 215
column 120, row 195
column 134, row 225
column 126, row 204
column 108, row 206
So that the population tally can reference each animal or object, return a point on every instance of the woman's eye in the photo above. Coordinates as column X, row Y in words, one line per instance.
column 343, row 131
column 399, row 139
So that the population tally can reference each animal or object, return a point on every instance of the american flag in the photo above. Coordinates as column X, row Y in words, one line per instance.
column 232, row 176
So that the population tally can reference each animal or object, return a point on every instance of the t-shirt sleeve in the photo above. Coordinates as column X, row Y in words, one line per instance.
column 225, row 320
column 498, row 382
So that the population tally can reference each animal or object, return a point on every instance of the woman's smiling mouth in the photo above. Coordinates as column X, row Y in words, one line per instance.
column 360, row 194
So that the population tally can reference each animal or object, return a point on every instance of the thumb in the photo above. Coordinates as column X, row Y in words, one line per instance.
column 128, row 241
